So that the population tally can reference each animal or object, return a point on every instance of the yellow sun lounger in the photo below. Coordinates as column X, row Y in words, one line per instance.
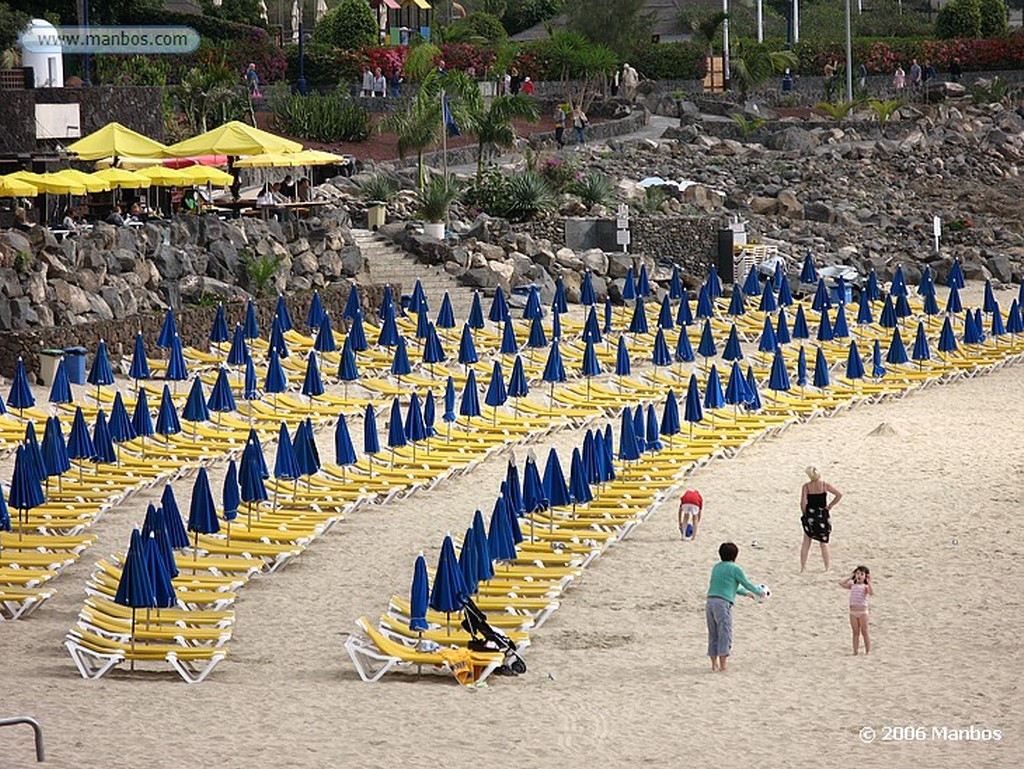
column 18, row 602
column 95, row 655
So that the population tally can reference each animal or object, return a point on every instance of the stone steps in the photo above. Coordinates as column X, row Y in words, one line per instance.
column 392, row 265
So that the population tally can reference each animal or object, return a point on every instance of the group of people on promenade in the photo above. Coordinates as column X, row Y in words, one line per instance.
column 817, row 499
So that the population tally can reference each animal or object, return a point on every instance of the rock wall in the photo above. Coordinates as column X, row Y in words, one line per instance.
column 138, row 108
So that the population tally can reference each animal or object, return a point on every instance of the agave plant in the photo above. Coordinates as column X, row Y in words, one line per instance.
column 594, row 188
column 437, row 196
column 528, row 195
column 380, row 187
column 884, row 110
column 836, row 110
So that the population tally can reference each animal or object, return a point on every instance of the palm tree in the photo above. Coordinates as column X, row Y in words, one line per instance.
column 577, row 59
column 753, row 65
column 706, row 30
column 493, row 125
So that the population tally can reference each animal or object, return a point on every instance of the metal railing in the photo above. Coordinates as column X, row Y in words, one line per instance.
column 40, row 752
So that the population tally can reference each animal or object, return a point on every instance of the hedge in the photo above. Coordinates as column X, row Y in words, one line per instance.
column 881, row 55
column 670, row 61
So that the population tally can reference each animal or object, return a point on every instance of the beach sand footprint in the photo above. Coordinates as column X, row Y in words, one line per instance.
column 884, row 430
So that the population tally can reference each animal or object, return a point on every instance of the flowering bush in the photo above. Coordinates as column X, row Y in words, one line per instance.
column 881, row 56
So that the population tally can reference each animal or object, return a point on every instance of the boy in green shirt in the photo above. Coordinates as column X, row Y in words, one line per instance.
column 727, row 581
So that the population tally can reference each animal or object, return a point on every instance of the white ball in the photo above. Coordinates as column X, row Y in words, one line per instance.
column 766, row 592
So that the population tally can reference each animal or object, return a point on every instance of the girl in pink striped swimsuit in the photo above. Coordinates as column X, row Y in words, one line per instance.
column 860, row 588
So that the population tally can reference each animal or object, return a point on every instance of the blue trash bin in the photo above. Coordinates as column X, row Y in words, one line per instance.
column 74, row 364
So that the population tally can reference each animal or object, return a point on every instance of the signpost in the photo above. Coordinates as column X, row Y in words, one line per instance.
column 937, row 231
column 622, row 227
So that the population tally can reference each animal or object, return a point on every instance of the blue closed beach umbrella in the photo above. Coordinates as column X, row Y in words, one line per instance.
column 496, row 394
column 155, row 523
column 306, row 452
column 877, row 369
column 499, row 307
column 643, row 284
column 177, row 368
column 388, row 336
column 418, row 299
column 864, row 316
column 713, row 283
column 590, row 366
column 555, row 488
column 660, row 354
column 467, row 349
column 736, row 304
column 476, row 312
column 887, row 318
column 606, row 327
column 684, row 316
column 808, row 274
column 281, row 313
column 60, row 391
column 767, row 303
column 168, row 330
column 591, row 328
column 469, row 406
column 286, row 464
column 276, row 380
column 315, row 313
column 926, row 285
column 872, row 286
column 800, row 328
column 325, row 341
column 400, row 365
column 135, row 587
column 448, row 593
column 534, row 497
column 422, row 323
column 638, row 323
column 35, row 453
column 100, row 374
column 639, row 429
column 579, row 485
column 276, row 341
column 684, row 351
column 821, row 300
column 433, row 351
column 173, row 524
column 513, row 489
column 736, row 388
column 801, row 368
column 841, row 329
column 733, row 350
column 825, row 331
column 20, row 397
column 665, row 319
column 532, row 308
column 468, row 565
column 222, row 399
column 782, row 335
column 554, row 370
column 419, row 596
column 219, row 329
column 230, row 494
column 312, row 383
column 556, row 325
column 587, row 294
column 121, row 429
column 670, row 415
column 997, row 328
column 629, row 286
column 202, row 512
column 344, row 450
column 753, row 397
column 429, row 413
column 785, row 297
column 250, row 478
column 707, row 347
column 947, row 340
column 752, row 284
column 509, row 345
column 501, row 541
column 250, row 388
column 164, row 595
column 195, row 410
column 102, row 442
column 1014, row 320
column 622, row 365
column 840, row 291
column 537, row 338
column 139, row 368
column 55, row 452
column 920, row 352
column 518, row 387
column 692, row 411
column 449, row 400
column 902, row 307
column 675, row 284
column 415, row 429
column 778, row 379
column 899, row 283
column 357, row 333
column 250, row 327
column 821, row 376
column 652, row 438
column 238, row 353
column 930, row 305
column 714, row 398
column 705, row 309
column 80, row 444
column 897, row 354
column 953, row 303
column 25, row 493
column 348, row 371
column 854, row 363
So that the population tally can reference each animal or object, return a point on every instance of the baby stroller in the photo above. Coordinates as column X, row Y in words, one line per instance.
column 486, row 639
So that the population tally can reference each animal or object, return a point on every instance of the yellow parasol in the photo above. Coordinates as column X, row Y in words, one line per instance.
column 284, row 160
column 166, row 177
column 49, row 183
column 233, row 138
column 17, row 188
column 90, row 182
column 121, row 178
column 208, row 174
column 115, row 139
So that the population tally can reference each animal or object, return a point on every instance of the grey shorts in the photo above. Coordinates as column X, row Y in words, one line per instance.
column 718, row 612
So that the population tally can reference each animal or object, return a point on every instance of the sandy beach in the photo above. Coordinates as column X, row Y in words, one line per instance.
column 618, row 676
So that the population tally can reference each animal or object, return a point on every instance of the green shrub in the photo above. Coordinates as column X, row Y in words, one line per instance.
column 320, row 64
column 559, row 172
column 837, row 110
column 380, row 187
column 670, row 61
column 331, row 117
column 437, row 196
column 959, row 18
column 594, row 189
column 261, row 271
column 651, row 202
column 994, row 21
column 476, row 28
column 348, row 25
column 747, row 126
column 884, row 110
column 528, row 196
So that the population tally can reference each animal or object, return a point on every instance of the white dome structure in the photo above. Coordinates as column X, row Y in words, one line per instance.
column 41, row 50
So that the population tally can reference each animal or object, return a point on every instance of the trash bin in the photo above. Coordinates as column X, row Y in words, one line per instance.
column 787, row 82
column 48, row 362
column 74, row 363
column 376, row 215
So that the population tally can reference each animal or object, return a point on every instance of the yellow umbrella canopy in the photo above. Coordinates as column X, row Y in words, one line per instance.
column 115, row 139
column 234, row 138
column 120, row 178
column 204, row 174
column 50, row 183
column 279, row 160
column 320, row 158
column 90, row 182
column 17, row 188
column 166, row 177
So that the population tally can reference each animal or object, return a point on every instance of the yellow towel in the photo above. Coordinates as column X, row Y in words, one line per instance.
column 459, row 661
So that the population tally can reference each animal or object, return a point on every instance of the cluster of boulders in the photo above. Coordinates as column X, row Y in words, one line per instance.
column 110, row 273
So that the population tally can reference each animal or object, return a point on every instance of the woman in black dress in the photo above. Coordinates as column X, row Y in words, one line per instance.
column 814, row 515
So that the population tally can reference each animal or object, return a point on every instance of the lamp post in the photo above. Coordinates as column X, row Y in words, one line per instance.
column 760, row 22
column 300, row 83
column 849, row 56
column 725, row 46
column 85, row 56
